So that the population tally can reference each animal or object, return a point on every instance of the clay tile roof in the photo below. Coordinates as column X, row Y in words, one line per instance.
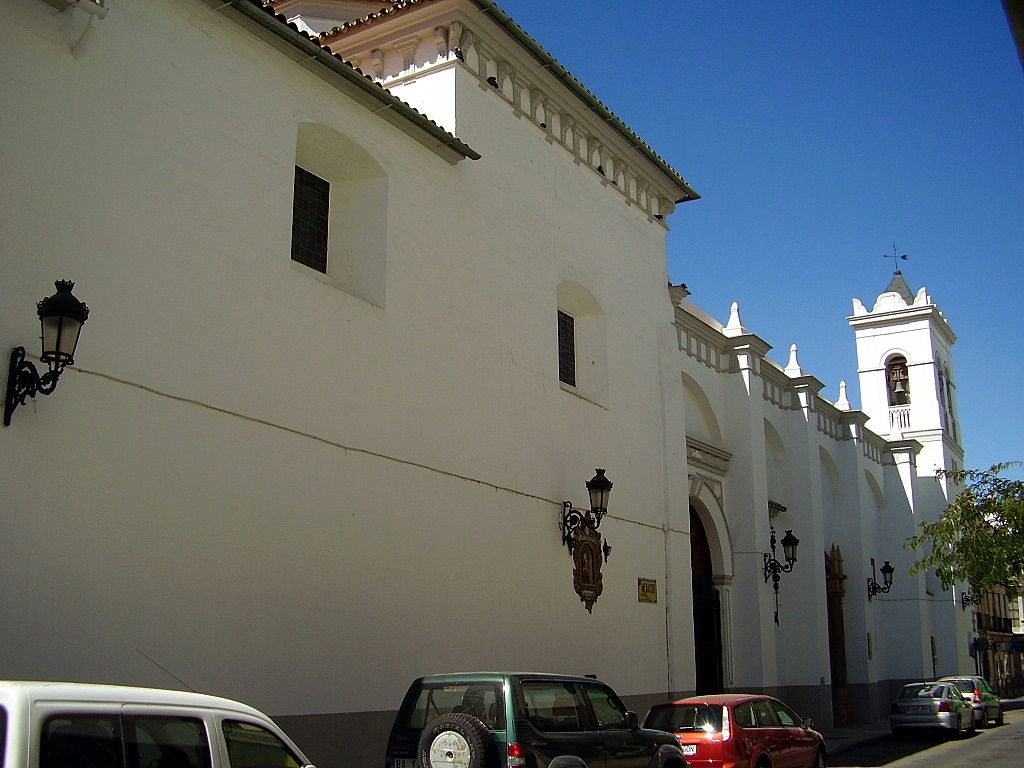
column 388, row 10
column 367, row 83
column 538, row 52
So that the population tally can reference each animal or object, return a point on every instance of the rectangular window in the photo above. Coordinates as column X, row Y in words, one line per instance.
column 551, row 706
column 608, row 710
column 251, row 746
column 482, row 700
column 164, row 741
column 80, row 739
column 310, row 209
column 566, row 349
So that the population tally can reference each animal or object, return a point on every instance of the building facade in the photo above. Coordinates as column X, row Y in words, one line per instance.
column 350, row 351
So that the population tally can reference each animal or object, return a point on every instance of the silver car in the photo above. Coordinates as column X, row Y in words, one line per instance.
column 983, row 699
column 937, row 705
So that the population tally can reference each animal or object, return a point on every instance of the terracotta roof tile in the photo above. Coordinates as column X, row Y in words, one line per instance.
column 266, row 6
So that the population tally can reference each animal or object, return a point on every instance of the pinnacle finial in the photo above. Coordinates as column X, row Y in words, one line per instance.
column 735, row 326
column 793, row 369
column 843, row 404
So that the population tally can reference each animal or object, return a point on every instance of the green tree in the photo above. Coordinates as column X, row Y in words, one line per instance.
column 979, row 539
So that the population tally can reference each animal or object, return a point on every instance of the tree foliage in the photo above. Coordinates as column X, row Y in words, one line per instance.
column 979, row 539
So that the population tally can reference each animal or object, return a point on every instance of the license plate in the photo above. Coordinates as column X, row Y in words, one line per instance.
column 689, row 749
column 403, row 762
column 919, row 710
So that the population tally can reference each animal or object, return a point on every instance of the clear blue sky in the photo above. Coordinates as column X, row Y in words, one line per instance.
column 818, row 134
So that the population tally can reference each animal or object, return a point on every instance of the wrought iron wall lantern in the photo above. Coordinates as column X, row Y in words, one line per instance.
column 874, row 588
column 966, row 599
column 580, row 535
column 62, row 317
column 772, row 567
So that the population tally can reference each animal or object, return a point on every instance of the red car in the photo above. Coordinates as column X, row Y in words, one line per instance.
column 739, row 730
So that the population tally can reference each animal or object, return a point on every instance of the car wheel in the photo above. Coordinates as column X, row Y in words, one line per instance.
column 457, row 740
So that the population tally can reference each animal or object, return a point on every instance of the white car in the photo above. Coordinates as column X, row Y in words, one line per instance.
column 979, row 693
column 79, row 725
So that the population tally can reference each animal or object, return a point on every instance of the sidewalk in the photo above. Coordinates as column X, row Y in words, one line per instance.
column 839, row 740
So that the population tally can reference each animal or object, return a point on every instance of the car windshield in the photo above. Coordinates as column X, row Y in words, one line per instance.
column 482, row 700
column 967, row 686
column 685, row 717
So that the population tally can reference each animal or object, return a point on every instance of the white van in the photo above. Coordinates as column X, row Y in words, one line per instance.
column 78, row 725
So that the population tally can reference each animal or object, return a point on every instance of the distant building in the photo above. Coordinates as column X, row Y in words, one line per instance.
column 351, row 349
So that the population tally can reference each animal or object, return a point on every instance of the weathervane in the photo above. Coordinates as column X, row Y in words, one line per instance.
column 895, row 257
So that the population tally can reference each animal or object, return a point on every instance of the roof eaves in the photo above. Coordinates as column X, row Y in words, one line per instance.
column 264, row 15
column 574, row 85
column 548, row 61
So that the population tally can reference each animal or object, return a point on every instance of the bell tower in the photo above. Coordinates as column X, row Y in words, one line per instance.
column 905, row 370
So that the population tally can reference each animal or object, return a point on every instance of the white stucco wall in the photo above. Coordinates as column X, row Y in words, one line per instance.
column 279, row 491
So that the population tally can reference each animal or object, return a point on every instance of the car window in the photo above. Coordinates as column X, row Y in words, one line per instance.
column 917, row 691
column 80, row 741
column 787, row 716
column 166, row 742
column 483, row 700
column 744, row 714
column 983, row 686
column 967, row 686
column 252, row 746
column 608, row 711
column 551, row 706
column 764, row 713
column 684, row 717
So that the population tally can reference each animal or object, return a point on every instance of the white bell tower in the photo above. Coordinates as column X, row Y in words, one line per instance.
column 905, row 369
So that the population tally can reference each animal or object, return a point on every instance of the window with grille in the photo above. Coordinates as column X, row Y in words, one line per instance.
column 566, row 349
column 310, row 212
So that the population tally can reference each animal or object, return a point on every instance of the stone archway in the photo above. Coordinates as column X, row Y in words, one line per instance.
column 835, row 589
column 707, row 612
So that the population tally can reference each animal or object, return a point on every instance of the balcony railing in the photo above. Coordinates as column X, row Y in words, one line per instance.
column 899, row 418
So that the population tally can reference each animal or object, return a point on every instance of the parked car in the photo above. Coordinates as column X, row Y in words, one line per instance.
column 73, row 725
column 507, row 720
column 739, row 730
column 931, row 706
column 983, row 699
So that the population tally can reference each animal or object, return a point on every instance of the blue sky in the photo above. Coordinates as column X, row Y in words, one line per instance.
column 818, row 134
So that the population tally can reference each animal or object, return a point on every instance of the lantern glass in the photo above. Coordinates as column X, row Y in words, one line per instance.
column 887, row 571
column 61, row 316
column 599, row 487
column 60, row 338
column 789, row 544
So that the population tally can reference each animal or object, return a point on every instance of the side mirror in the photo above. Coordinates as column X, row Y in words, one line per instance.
column 632, row 721
column 805, row 723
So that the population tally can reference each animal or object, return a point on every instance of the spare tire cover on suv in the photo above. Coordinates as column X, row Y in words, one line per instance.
column 457, row 740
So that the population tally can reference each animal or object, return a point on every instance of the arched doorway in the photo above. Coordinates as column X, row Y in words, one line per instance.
column 707, row 611
column 835, row 589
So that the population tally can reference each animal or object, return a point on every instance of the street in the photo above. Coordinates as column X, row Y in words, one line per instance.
column 1001, row 747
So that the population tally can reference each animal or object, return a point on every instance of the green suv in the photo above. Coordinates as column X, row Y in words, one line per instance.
column 516, row 720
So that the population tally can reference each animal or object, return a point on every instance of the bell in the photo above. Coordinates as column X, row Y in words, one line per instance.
column 900, row 388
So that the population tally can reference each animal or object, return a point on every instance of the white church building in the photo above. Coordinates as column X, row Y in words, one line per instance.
column 372, row 292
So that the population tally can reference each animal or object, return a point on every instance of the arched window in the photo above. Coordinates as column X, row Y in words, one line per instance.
column 898, row 380
column 339, row 214
column 582, row 343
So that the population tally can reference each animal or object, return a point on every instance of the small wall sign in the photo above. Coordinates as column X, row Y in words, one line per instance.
column 647, row 590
